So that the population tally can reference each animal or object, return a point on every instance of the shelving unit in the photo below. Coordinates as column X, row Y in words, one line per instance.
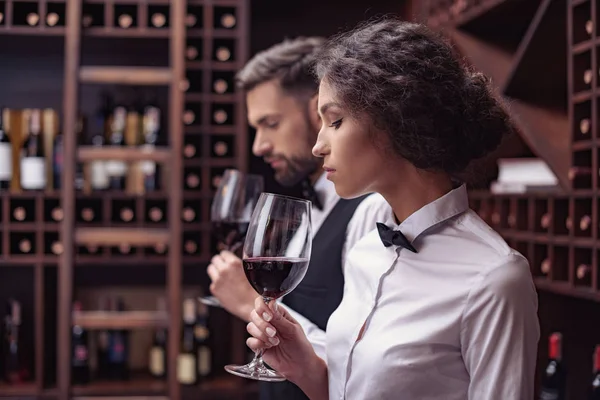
column 544, row 61
column 71, row 232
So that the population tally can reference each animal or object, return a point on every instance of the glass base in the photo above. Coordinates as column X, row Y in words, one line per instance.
column 210, row 301
column 255, row 370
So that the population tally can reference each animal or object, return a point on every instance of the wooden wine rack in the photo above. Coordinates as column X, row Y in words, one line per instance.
column 546, row 66
column 44, row 235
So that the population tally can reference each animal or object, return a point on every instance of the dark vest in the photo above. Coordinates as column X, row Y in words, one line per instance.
column 321, row 290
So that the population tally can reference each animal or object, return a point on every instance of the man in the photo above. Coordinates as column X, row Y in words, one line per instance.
column 281, row 97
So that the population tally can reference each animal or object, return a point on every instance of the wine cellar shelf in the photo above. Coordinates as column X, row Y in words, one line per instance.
column 76, row 228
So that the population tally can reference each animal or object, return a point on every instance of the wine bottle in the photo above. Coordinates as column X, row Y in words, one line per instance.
column 582, row 271
column 12, row 359
column 585, row 222
column 158, row 351
column 150, row 132
column 553, row 386
column 5, row 151
column 79, row 167
column 584, row 126
column 188, row 214
column 118, row 350
column 80, row 360
column 595, row 389
column 220, row 86
column 222, row 54
column 158, row 20
column 33, row 163
column 116, row 135
column 103, row 337
column 589, row 27
column 191, row 52
column 133, row 181
column 187, row 371
column 54, row 158
column 546, row 266
column 18, row 121
column 52, row 19
column 201, row 334
column 228, row 20
column 587, row 76
column 96, row 172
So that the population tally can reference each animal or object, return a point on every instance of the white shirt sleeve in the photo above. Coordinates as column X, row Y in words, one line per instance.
column 500, row 333
column 371, row 210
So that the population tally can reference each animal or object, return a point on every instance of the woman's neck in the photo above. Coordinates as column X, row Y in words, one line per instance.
column 415, row 189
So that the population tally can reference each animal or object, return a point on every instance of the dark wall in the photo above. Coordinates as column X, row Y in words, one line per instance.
column 272, row 21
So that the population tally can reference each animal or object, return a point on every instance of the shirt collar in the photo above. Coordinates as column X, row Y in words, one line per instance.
column 449, row 205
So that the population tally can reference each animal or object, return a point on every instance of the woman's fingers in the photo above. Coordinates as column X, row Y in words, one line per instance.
column 261, row 308
column 255, row 344
column 261, row 332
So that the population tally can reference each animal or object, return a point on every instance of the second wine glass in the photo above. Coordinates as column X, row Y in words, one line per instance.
column 234, row 201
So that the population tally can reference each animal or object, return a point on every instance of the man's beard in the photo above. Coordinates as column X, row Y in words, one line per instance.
column 297, row 170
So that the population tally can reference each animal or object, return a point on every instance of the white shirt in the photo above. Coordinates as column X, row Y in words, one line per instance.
column 371, row 210
column 455, row 321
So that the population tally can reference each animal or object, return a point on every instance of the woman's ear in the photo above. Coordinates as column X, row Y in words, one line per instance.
column 313, row 112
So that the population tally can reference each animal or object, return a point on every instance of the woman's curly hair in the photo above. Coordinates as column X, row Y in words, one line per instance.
column 438, row 115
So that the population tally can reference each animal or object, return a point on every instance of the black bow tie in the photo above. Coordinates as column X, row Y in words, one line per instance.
column 308, row 193
column 391, row 237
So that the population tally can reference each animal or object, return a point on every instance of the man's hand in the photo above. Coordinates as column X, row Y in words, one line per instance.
column 230, row 286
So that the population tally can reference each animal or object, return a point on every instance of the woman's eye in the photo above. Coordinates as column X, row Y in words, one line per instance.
column 336, row 124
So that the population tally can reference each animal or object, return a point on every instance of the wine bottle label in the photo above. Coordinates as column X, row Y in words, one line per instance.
column 116, row 351
column 5, row 161
column 549, row 394
column 33, row 173
column 80, row 355
column 186, row 369
column 116, row 168
column 157, row 365
column 147, row 167
column 99, row 175
column 204, row 361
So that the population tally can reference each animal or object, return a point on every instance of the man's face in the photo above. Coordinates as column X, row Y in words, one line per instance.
column 286, row 130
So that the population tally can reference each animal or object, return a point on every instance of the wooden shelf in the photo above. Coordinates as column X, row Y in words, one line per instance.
column 566, row 289
column 126, row 75
column 139, row 386
column 91, row 153
column 117, row 236
column 212, row 65
column 23, row 389
column 120, row 320
column 215, row 98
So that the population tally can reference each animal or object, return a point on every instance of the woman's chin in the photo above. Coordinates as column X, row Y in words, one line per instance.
column 347, row 192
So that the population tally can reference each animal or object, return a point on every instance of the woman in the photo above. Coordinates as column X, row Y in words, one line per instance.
column 436, row 305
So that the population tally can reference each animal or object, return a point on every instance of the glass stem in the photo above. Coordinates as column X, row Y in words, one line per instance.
column 258, row 361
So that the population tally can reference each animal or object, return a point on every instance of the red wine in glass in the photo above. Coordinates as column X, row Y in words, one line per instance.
column 230, row 213
column 230, row 235
column 274, row 277
column 276, row 256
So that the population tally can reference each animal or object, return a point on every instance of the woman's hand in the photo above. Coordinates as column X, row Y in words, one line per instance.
column 287, row 350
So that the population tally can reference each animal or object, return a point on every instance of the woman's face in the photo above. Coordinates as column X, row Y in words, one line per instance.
column 352, row 161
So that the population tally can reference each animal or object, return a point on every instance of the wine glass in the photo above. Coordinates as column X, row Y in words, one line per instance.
column 231, row 210
column 276, row 256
